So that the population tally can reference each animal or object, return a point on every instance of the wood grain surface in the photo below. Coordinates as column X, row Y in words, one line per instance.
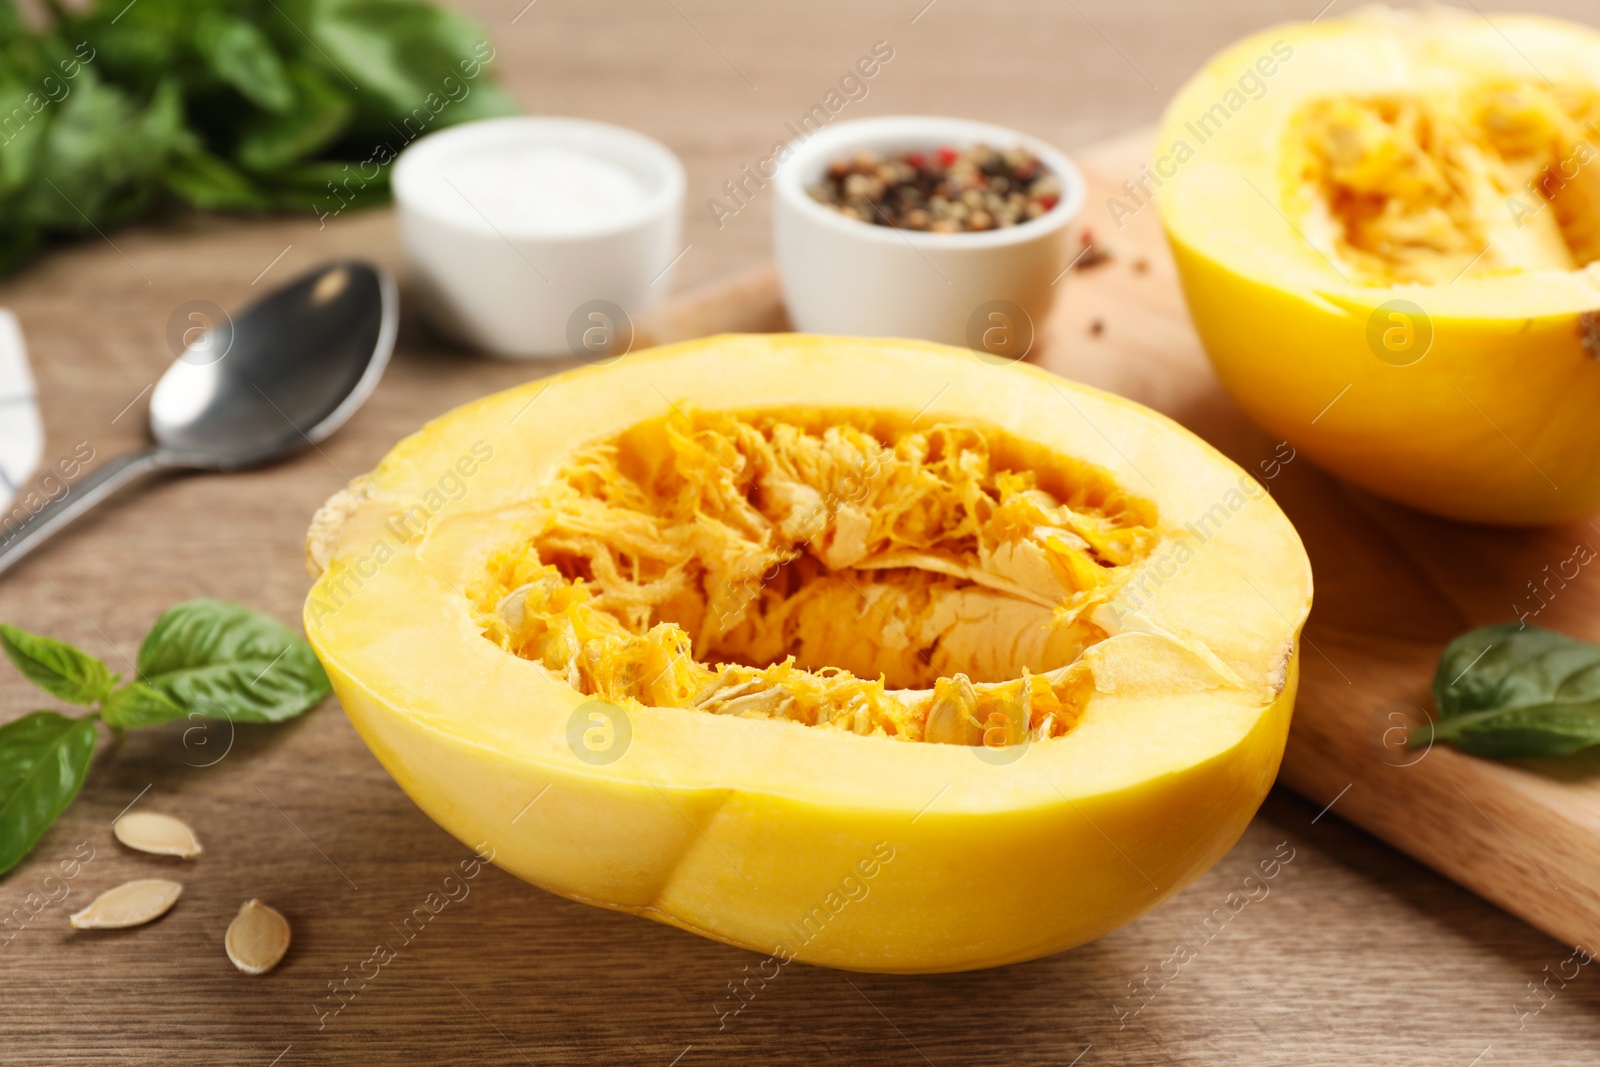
column 1352, row 954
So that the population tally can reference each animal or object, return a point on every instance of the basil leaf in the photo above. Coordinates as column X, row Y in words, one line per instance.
column 102, row 153
column 43, row 759
column 408, row 55
column 308, row 183
column 19, row 150
column 238, row 53
column 137, row 704
column 212, row 184
column 57, row 667
column 137, row 45
column 320, row 114
column 224, row 661
column 1511, row 690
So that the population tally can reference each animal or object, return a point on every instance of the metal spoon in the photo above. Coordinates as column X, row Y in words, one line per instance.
column 285, row 374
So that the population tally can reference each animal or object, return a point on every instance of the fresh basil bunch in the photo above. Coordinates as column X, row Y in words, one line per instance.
column 1512, row 690
column 202, row 659
column 228, row 105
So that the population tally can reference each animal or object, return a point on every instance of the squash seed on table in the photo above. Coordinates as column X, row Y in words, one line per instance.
column 257, row 938
column 161, row 835
column 129, row 904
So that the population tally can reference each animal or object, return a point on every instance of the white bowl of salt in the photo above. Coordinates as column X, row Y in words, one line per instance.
column 539, row 237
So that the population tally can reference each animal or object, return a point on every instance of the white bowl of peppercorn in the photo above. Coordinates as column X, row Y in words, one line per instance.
column 916, row 226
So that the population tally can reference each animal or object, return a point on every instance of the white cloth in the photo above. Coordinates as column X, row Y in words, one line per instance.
column 21, row 429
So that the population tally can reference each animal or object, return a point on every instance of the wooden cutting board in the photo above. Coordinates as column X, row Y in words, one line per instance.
column 1392, row 586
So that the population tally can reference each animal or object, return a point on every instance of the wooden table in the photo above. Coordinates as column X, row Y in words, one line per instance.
column 1356, row 955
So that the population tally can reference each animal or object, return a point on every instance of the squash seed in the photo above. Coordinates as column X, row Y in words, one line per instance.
column 129, row 904
column 950, row 720
column 161, row 835
column 257, row 938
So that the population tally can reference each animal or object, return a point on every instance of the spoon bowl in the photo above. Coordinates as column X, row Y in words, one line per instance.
column 286, row 373
column 281, row 376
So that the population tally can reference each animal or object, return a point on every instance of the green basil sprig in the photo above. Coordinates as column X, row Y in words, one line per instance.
column 202, row 659
column 1512, row 690
column 113, row 109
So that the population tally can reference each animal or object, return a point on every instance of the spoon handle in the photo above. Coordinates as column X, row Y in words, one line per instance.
column 21, row 538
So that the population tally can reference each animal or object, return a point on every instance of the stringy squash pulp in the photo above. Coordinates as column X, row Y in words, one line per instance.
column 1431, row 185
column 829, row 619
column 822, row 568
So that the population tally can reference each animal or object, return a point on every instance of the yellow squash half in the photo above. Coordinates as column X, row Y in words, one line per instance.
column 1387, row 228
column 865, row 653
